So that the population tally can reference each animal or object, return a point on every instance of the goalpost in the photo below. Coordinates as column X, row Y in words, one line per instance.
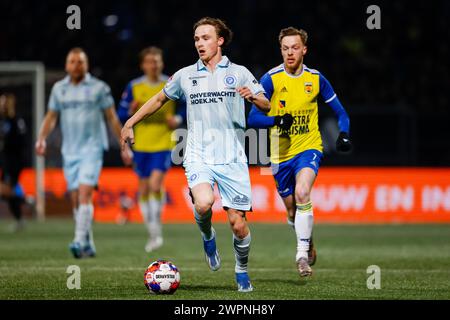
column 35, row 71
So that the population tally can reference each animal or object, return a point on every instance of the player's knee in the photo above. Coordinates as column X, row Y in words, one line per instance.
column 144, row 188
column 156, row 181
column 144, row 193
column 155, row 187
column 84, row 199
column 203, row 205
column 239, row 228
column 302, row 194
column 290, row 209
column 85, row 195
column 291, row 214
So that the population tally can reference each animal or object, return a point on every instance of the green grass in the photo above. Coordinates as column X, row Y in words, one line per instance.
column 414, row 262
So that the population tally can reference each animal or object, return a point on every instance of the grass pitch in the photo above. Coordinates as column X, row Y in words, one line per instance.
column 414, row 262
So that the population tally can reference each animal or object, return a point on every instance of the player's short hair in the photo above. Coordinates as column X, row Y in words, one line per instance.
column 291, row 31
column 150, row 51
column 78, row 50
column 222, row 29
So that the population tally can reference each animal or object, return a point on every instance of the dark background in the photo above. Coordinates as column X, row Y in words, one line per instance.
column 393, row 82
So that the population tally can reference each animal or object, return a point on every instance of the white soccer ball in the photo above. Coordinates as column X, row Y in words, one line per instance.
column 162, row 277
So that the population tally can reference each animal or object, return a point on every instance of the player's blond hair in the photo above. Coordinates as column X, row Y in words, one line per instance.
column 222, row 29
column 291, row 31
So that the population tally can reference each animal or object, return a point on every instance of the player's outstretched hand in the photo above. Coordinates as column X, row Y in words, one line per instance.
column 343, row 142
column 246, row 93
column 285, row 121
column 40, row 147
column 126, row 136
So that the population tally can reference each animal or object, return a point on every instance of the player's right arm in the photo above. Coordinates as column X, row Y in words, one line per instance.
column 49, row 123
column 172, row 90
column 47, row 127
column 151, row 106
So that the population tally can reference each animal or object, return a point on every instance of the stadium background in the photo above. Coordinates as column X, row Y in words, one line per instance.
column 392, row 82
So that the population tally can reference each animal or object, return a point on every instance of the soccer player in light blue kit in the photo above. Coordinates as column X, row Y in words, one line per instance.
column 214, row 89
column 82, row 102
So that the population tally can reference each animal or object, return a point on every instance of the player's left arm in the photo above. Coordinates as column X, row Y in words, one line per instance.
column 343, row 142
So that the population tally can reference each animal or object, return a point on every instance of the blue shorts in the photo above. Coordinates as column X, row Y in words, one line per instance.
column 146, row 162
column 233, row 182
column 285, row 172
column 83, row 169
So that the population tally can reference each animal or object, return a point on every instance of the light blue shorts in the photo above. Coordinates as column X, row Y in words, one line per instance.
column 233, row 181
column 82, row 170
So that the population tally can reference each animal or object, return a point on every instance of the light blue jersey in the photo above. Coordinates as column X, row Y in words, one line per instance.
column 81, row 108
column 215, row 110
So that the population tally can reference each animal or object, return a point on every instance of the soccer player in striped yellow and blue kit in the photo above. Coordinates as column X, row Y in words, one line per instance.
column 296, row 143
column 154, row 143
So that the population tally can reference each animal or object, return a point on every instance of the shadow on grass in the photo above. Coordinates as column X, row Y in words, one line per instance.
column 292, row 282
column 201, row 287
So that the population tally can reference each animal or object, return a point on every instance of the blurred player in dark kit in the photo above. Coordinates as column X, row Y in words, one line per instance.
column 12, row 147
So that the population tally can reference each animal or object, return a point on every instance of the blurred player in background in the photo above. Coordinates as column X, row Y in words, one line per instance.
column 215, row 89
column 153, row 140
column 12, row 147
column 82, row 103
column 296, row 143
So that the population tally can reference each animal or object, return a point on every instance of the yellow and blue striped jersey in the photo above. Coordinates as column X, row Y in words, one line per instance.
column 298, row 96
column 151, row 134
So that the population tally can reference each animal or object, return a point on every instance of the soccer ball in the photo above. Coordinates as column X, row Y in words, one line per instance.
column 162, row 277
